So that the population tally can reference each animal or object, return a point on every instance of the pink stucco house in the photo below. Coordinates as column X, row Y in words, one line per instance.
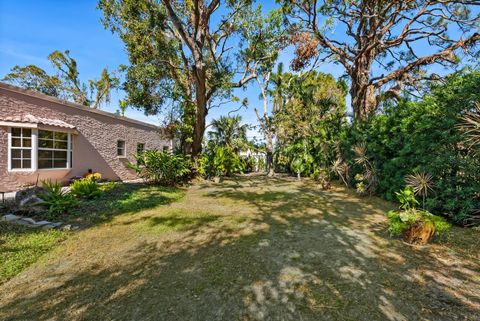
column 43, row 137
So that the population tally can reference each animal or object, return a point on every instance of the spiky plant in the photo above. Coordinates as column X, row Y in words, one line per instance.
column 360, row 151
column 340, row 168
column 421, row 183
column 369, row 172
column 470, row 125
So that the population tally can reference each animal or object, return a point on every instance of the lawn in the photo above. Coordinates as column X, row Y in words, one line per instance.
column 249, row 248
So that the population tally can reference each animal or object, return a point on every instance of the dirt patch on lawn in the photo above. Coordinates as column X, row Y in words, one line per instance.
column 252, row 248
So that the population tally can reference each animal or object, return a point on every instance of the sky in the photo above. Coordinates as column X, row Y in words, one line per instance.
column 32, row 29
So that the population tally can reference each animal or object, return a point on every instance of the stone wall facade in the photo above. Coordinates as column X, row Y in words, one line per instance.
column 94, row 143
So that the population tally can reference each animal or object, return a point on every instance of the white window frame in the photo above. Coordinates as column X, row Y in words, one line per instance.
column 124, row 155
column 10, row 147
column 68, row 150
column 34, row 150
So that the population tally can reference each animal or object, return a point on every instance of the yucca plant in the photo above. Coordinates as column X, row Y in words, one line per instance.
column 421, row 183
column 341, row 168
column 366, row 182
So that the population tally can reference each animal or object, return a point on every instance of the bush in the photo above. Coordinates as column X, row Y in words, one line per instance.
column 162, row 168
column 57, row 200
column 423, row 136
column 219, row 161
column 85, row 188
column 408, row 217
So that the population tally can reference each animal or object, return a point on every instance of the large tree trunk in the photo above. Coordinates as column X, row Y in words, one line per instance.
column 200, row 113
column 269, row 159
column 364, row 100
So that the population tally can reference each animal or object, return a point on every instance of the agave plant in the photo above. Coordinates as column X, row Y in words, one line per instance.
column 470, row 125
column 421, row 183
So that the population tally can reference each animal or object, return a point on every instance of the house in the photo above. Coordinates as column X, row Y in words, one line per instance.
column 43, row 137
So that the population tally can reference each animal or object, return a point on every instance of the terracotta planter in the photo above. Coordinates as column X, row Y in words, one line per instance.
column 419, row 233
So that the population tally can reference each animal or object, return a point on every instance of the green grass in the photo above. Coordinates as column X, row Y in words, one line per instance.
column 21, row 246
column 251, row 248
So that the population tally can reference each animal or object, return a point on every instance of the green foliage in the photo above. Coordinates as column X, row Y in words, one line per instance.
column 409, row 216
column 162, row 168
column 423, row 137
column 87, row 188
column 219, row 161
column 228, row 131
column 406, row 197
column 57, row 200
column 65, row 83
column 309, row 121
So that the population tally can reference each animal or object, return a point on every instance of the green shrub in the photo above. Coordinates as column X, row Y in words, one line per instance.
column 57, row 200
column 219, row 161
column 409, row 216
column 87, row 188
column 162, row 168
column 423, row 137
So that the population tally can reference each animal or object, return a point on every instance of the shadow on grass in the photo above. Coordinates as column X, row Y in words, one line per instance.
column 118, row 199
column 303, row 255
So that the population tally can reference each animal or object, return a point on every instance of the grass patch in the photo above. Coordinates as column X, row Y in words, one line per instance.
column 21, row 246
column 118, row 198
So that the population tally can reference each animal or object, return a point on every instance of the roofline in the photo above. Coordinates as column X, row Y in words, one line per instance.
column 56, row 100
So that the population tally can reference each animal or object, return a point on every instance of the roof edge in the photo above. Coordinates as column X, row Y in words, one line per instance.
column 36, row 94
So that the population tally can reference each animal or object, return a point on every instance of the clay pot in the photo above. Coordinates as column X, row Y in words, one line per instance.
column 420, row 233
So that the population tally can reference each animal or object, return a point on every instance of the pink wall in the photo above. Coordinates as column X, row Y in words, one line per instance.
column 95, row 145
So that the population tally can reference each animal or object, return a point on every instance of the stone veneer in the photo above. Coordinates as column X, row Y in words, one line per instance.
column 94, row 146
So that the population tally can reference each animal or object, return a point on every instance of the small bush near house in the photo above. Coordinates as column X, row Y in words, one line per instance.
column 220, row 161
column 416, row 226
column 162, row 168
column 85, row 188
column 56, row 200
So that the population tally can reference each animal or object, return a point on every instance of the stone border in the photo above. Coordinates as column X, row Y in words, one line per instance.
column 30, row 222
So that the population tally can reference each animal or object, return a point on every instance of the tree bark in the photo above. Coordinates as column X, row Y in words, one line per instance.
column 269, row 159
column 200, row 112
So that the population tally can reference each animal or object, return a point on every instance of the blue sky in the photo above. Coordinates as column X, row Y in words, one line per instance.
column 30, row 30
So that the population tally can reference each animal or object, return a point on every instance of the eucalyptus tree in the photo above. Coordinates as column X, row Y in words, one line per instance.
column 66, row 83
column 181, row 52
column 265, row 38
column 382, row 45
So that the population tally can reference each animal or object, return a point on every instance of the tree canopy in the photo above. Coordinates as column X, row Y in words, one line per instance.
column 65, row 84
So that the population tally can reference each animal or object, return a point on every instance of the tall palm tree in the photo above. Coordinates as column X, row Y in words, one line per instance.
column 228, row 131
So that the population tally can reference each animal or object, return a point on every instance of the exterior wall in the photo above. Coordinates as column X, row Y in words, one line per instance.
column 94, row 147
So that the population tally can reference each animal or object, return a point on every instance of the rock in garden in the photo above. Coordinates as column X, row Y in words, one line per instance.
column 10, row 217
column 28, row 200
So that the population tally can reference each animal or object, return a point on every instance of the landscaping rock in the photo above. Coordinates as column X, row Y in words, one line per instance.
column 28, row 220
column 41, row 223
column 28, row 200
column 10, row 217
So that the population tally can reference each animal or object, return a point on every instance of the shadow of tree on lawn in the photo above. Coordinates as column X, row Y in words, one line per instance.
column 300, row 254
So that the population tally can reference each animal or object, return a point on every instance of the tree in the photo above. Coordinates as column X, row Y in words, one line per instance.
column 66, row 83
column 228, row 132
column 265, row 39
column 385, row 45
column 310, row 121
column 180, row 53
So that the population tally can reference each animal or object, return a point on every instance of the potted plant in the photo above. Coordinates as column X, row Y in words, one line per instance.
column 417, row 226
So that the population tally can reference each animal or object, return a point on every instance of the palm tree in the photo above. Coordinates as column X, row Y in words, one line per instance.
column 228, row 131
